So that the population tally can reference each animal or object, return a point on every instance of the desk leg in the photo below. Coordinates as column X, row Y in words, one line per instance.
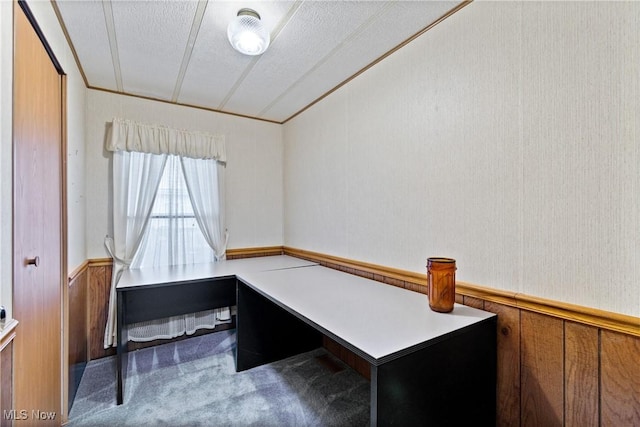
column 121, row 349
column 451, row 383
column 266, row 332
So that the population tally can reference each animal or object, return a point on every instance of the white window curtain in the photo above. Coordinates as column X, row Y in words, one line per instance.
column 127, row 135
column 136, row 177
column 205, row 184
column 201, row 165
column 174, row 237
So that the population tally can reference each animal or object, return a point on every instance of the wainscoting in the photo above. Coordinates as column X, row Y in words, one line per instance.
column 78, row 322
column 7, row 335
column 558, row 364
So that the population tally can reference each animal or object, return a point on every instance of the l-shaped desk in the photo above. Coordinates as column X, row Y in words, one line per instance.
column 427, row 368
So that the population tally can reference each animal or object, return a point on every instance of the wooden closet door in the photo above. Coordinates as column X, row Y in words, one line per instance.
column 37, row 229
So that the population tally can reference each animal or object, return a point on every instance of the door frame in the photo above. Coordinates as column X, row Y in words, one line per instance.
column 64, row 311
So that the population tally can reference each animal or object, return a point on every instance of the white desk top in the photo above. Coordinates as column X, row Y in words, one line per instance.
column 183, row 273
column 380, row 320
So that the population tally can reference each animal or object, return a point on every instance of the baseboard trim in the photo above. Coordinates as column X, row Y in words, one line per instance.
column 238, row 252
column 78, row 271
column 257, row 251
column 8, row 333
column 100, row 262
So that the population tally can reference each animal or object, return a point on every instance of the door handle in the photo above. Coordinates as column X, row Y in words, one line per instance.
column 33, row 261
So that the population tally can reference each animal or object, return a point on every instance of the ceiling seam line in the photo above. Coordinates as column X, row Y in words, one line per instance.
column 238, row 82
column 274, row 35
column 107, row 10
column 186, row 59
column 333, row 51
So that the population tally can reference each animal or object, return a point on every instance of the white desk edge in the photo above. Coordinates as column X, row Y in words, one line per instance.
column 378, row 319
column 147, row 276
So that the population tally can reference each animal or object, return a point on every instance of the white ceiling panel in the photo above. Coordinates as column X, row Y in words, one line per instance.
column 177, row 50
column 215, row 67
column 152, row 37
column 318, row 29
column 91, row 41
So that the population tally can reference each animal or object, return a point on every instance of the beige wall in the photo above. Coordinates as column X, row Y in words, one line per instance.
column 76, row 174
column 505, row 137
column 253, row 174
column 76, row 94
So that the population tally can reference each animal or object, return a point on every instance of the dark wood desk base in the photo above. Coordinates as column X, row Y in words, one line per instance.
column 447, row 381
column 450, row 381
column 139, row 304
column 268, row 333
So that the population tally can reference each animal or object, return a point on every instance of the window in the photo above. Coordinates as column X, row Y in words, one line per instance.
column 173, row 235
column 153, row 230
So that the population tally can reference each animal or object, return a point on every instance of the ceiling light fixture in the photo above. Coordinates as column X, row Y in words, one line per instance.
column 246, row 33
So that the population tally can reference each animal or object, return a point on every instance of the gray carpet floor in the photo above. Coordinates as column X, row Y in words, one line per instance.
column 193, row 383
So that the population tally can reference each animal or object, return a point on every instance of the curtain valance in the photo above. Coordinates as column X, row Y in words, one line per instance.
column 127, row 135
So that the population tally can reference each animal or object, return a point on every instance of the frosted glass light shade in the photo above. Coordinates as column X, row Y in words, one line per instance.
column 246, row 33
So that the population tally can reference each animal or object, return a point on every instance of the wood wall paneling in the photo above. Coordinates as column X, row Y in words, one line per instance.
column 78, row 330
column 473, row 302
column 508, row 369
column 99, row 288
column 354, row 361
column 581, row 364
column 542, row 380
column 78, row 324
column 620, row 379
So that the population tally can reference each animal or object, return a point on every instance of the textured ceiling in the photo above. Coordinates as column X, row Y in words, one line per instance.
column 177, row 51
